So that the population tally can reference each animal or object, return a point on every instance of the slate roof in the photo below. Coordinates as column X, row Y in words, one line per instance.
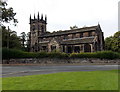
column 78, row 30
column 78, row 41
column 73, row 41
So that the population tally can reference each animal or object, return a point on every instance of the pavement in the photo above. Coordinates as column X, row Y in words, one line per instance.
column 23, row 70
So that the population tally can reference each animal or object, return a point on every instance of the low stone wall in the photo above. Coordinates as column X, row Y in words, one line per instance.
column 57, row 61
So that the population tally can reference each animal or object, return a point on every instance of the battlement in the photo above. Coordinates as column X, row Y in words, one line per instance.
column 38, row 19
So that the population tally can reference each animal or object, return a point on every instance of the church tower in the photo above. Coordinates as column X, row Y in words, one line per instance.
column 37, row 28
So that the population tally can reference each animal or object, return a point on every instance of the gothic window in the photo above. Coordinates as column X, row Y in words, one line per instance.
column 69, row 49
column 42, row 28
column 65, row 37
column 90, row 34
column 44, row 48
column 38, row 27
column 87, row 48
column 81, row 35
column 33, row 27
column 53, row 47
column 76, row 49
column 63, row 48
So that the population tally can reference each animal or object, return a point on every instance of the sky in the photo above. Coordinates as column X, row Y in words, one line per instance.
column 61, row 14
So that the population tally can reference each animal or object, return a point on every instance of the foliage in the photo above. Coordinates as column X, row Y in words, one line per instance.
column 7, row 13
column 74, row 27
column 101, row 55
column 57, row 55
column 10, row 39
column 113, row 42
column 23, row 38
column 107, row 55
column 13, row 53
column 82, row 80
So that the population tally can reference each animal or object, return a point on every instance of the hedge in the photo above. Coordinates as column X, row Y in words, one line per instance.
column 14, row 53
column 100, row 55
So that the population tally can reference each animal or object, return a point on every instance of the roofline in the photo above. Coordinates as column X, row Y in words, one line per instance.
column 82, row 30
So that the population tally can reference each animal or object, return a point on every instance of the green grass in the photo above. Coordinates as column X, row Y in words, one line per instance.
column 83, row 80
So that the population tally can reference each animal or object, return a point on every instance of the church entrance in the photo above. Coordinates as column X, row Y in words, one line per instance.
column 87, row 48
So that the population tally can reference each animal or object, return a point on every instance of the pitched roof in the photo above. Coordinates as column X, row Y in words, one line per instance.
column 72, row 41
column 78, row 30
column 78, row 41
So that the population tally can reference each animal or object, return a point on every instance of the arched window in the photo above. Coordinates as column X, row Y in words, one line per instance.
column 87, row 48
column 33, row 27
column 42, row 28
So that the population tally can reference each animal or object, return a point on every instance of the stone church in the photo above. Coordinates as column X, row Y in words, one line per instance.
column 86, row 39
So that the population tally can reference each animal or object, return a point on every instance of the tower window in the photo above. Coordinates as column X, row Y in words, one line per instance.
column 42, row 28
column 38, row 27
column 33, row 27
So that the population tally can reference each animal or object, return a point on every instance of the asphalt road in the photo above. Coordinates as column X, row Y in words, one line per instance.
column 10, row 71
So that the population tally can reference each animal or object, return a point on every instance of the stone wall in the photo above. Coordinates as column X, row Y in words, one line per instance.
column 57, row 61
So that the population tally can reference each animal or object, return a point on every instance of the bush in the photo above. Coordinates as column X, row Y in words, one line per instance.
column 101, row 55
column 42, row 55
column 107, row 55
column 82, row 55
column 57, row 55
column 14, row 53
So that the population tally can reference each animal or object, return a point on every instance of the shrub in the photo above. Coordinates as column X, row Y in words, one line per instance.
column 100, row 54
column 42, row 55
column 82, row 55
column 14, row 53
column 57, row 55
column 107, row 55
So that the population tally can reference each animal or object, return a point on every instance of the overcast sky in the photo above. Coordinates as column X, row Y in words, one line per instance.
column 61, row 14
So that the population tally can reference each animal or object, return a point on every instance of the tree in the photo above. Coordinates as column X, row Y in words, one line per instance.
column 10, row 39
column 113, row 42
column 7, row 14
column 23, row 38
column 74, row 27
column 28, row 41
column 116, row 42
column 108, row 43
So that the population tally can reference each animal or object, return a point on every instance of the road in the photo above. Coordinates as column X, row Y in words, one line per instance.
column 11, row 71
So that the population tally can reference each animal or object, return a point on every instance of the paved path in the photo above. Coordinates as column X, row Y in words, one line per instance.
column 9, row 71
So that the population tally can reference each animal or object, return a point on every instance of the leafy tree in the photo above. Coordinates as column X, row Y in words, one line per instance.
column 28, row 41
column 116, row 42
column 74, row 27
column 7, row 14
column 108, row 43
column 10, row 39
column 23, row 38
column 113, row 42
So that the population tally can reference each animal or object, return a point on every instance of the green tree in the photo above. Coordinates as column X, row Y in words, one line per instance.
column 108, row 43
column 116, row 42
column 28, row 41
column 113, row 42
column 8, row 14
column 23, row 38
column 74, row 27
column 10, row 39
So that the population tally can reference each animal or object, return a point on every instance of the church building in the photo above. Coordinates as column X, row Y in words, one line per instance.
column 85, row 39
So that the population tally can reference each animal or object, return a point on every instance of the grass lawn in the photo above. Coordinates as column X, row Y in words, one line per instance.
column 83, row 80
